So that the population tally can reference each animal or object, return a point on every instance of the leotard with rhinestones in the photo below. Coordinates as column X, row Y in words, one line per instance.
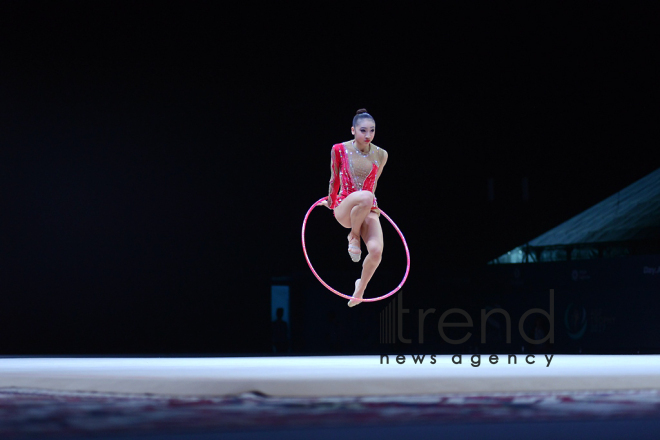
column 353, row 171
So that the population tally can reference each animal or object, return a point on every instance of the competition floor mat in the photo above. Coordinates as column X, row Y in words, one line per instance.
column 333, row 376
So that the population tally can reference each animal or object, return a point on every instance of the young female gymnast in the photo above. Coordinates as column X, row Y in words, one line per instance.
column 355, row 168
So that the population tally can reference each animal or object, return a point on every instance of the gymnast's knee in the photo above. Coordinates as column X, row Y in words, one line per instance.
column 376, row 252
column 366, row 198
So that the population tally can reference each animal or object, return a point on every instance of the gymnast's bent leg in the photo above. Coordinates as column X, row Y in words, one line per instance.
column 351, row 213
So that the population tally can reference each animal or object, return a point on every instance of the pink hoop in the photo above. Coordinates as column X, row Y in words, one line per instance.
column 405, row 245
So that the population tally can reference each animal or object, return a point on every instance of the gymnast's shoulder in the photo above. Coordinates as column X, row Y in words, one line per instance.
column 381, row 152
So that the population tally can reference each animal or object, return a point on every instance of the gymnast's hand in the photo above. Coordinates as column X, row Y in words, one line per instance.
column 325, row 203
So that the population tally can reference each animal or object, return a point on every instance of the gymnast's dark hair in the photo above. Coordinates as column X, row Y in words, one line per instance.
column 361, row 114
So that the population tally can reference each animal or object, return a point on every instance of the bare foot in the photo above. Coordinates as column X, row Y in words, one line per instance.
column 353, row 303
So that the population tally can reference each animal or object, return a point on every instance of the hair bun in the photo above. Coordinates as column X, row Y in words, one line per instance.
column 362, row 110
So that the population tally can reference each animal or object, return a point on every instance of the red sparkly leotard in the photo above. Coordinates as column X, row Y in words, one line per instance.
column 356, row 171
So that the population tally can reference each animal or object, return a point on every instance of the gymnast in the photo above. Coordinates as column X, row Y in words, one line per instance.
column 355, row 168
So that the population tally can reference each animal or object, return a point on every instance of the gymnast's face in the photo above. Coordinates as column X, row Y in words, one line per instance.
column 364, row 132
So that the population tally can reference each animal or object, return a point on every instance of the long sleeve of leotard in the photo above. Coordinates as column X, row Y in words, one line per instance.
column 333, row 188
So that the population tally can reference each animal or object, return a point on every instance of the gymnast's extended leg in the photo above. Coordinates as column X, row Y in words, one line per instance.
column 372, row 234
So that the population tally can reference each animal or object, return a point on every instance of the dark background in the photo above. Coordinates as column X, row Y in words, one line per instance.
column 157, row 158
